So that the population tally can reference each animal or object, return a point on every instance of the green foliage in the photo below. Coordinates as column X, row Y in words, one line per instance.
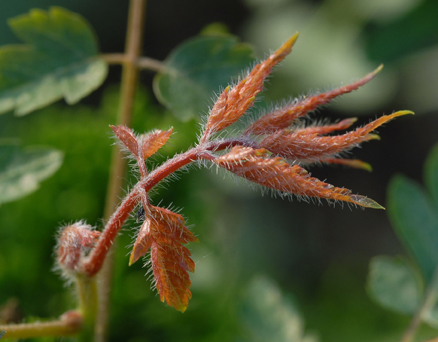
column 393, row 282
column 414, row 31
column 60, row 60
column 414, row 216
column 396, row 285
column 198, row 68
column 21, row 170
column 271, row 315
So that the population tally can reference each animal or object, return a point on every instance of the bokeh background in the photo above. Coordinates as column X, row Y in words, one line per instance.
column 317, row 253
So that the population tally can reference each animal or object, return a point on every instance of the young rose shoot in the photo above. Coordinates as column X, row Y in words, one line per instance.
column 268, row 152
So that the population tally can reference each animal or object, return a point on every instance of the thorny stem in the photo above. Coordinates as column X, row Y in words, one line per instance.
column 137, row 9
column 430, row 299
column 96, row 258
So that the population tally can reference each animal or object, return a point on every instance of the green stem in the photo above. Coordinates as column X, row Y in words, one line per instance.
column 88, row 305
column 69, row 324
column 429, row 301
column 134, row 36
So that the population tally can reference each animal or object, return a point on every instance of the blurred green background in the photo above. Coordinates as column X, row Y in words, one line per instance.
column 318, row 253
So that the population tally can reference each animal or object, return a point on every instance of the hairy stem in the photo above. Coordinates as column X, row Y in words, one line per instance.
column 95, row 260
column 62, row 327
column 430, row 299
column 137, row 9
column 88, row 305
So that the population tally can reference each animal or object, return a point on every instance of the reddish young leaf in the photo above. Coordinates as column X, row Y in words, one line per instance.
column 154, row 141
column 309, row 148
column 127, row 137
column 326, row 129
column 282, row 118
column 165, row 233
column 257, row 166
column 235, row 101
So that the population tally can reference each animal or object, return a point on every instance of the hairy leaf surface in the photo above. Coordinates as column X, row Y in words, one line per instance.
column 60, row 60
column 257, row 166
column 22, row 169
column 154, row 141
column 127, row 137
column 164, row 232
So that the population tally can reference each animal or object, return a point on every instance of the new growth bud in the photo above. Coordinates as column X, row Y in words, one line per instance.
column 73, row 242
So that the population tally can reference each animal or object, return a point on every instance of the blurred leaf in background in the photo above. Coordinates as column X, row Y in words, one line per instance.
column 199, row 68
column 414, row 215
column 394, row 283
column 60, row 60
column 21, row 170
column 341, row 40
column 270, row 315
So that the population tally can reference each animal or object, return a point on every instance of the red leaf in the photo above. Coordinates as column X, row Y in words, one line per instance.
column 154, row 141
column 326, row 129
column 127, row 137
column 275, row 173
column 235, row 101
column 165, row 233
column 283, row 117
column 309, row 148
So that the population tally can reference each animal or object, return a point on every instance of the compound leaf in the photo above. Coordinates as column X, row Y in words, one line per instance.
column 22, row 169
column 60, row 60
column 198, row 68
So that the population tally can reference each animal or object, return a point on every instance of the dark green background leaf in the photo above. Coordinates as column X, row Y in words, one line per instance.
column 21, row 170
column 197, row 69
column 415, row 221
column 415, row 31
column 431, row 175
column 60, row 60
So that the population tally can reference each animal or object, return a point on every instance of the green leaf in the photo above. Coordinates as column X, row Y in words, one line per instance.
column 415, row 221
column 394, row 284
column 431, row 175
column 60, row 60
column 21, row 170
column 270, row 315
column 197, row 69
column 413, row 32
